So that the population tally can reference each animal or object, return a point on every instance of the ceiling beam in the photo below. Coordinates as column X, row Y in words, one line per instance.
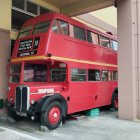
column 86, row 6
column 45, row 4
column 88, row 18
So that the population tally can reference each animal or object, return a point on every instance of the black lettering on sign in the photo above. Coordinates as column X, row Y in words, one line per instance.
column 36, row 43
column 27, row 53
column 25, row 45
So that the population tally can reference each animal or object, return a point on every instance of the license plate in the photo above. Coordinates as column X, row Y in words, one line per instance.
column 21, row 114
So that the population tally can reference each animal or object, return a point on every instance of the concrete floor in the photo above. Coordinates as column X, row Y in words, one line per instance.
column 107, row 126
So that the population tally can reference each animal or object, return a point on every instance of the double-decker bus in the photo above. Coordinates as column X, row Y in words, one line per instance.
column 60, row 66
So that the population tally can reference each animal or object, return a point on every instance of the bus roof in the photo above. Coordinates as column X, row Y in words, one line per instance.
column 51, row 16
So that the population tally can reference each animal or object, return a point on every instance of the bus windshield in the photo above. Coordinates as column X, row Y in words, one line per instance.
column 15, row 70
column 41, row 27
column 25, row 32
column 35, row 72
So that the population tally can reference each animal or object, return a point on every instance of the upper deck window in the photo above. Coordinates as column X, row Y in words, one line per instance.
column 25, row 31
column 64, row 27
column 104, row 41
column 77, row 32
column 55, row 27
column 92, row 37
column 115, row 45
column 41, row 27
column 60, row 26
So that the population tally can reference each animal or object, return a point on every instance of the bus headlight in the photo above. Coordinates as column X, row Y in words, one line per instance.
column 8, row 88
column 11, row 99
column 32, row 101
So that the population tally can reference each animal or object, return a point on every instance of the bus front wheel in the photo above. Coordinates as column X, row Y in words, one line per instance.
column 52, row 117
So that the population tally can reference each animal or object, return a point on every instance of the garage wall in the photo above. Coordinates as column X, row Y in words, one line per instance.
column 5, row 14
column 4, row 56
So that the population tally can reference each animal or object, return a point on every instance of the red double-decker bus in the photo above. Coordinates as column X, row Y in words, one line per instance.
column 60, row 66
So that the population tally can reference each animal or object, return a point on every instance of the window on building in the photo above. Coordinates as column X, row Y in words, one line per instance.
column 41, row 27
column 93, row 75
column 18, row 4
column 64, row 27
column 115, row 75
column 104, row 41
column 104, row 75
column 32, row 8
column 58, row 75
column 78, row 74
column 114, row 45
column 43, row 10
column 17, row 21
column 25, row 9
column 92, row 37
column 77, row 32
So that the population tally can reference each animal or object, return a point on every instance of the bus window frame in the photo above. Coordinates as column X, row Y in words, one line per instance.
column 30, row 31
column 58, row 69
column 109, row 47
column 91, row 37
column 112, row 46
column 86, row 74
column 61, row 30
column 72, row 32
column 43, row 26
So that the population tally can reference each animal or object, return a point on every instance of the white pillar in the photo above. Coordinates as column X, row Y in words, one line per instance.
column 129, row 58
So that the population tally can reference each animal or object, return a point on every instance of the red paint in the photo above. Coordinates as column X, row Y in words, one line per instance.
column 82, row 95
column 54, row 115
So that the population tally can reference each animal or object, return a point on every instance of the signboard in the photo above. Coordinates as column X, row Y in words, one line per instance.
column 28, row 47
column 27, row 53
column 25, row 45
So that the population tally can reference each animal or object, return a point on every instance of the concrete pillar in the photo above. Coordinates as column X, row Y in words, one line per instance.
column 5, row 27
column 129, row 58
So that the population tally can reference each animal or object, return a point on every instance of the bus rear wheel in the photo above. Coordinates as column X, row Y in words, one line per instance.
column 114, row 102
column 52, row 117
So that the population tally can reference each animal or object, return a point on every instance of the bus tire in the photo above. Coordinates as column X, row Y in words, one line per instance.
column 114, row 101
column 53, row 115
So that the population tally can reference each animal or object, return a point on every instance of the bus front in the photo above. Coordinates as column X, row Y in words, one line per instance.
column 34, row 76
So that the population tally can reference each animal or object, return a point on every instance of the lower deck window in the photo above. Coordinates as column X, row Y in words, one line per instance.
column 15, row 71
column 115, row 75
column 93, row 75
column 78, row 74
column 35, row 72
column 58, row 75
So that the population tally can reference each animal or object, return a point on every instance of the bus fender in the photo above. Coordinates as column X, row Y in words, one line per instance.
column 115, row 91
column 55, row 97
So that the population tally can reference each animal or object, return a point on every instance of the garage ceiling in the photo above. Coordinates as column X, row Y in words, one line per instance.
column 74, row 7
column 62, row 3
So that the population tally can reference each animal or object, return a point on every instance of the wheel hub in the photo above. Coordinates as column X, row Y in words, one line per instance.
column 54, row 115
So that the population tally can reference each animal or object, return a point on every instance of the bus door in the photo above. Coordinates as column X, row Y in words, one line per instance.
column 78, row 89
column 105, row 87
